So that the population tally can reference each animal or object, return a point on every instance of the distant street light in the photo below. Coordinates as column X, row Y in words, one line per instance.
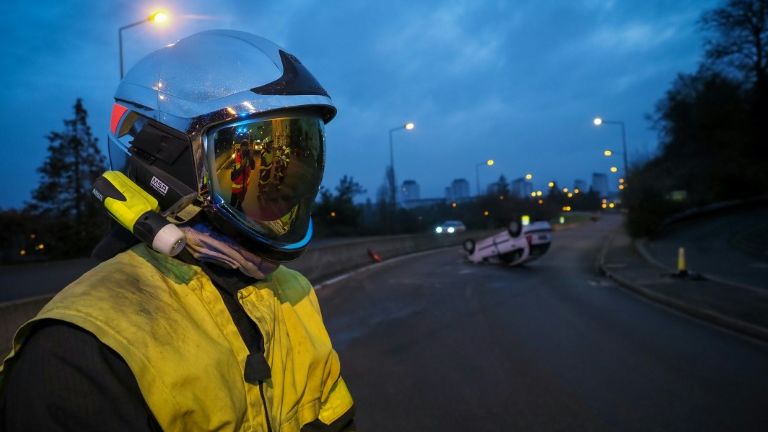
column 608, row 153
column 614, row 169
column 392, row 189
column 158, row 17
column 490, row 163
column 551, row 184
column 598, row 121
column 529, row 176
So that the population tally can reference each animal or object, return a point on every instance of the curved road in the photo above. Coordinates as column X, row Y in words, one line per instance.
column 434, row 343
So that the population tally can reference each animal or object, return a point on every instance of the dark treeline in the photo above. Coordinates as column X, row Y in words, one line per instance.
column 713, row 124
column 336, row 214
column 62, row 220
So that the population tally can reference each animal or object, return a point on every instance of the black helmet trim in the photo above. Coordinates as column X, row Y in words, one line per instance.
column 296, row 80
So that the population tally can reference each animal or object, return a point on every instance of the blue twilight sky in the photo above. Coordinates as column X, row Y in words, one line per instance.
column 516, row 81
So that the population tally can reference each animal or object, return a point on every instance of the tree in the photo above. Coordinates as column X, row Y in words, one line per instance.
column 63, row 196
column 339, row 210
column 739, row 40
column 738, row 44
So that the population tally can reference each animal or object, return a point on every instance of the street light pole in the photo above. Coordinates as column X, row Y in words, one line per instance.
column 158, row 17
column 600, row 121
column 392, row 184
column 489, row 162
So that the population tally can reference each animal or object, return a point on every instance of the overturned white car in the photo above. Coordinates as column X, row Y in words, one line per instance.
column 516, row 245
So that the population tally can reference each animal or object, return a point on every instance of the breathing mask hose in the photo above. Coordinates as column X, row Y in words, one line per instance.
column 137, row 211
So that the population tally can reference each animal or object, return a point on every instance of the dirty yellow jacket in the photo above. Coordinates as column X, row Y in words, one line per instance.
column 169, row 323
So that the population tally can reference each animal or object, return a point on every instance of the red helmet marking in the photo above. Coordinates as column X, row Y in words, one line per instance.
column 117, row 114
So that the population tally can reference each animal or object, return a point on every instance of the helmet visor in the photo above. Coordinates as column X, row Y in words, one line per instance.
column 265, row 174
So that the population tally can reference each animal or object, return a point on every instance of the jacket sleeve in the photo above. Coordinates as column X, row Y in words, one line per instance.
column 64, row 378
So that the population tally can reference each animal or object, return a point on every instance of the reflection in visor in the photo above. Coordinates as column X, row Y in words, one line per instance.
column 267, row 173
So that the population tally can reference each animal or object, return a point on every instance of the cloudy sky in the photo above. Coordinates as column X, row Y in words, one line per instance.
column 516, row 81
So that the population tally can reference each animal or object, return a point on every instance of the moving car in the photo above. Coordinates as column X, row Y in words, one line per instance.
column 516, row 245
column 450, row 227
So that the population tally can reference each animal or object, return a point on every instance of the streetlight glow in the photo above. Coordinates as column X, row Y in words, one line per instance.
column 608, row 153
column 158, row 17
column 528, row 176
column 409, row 126
column 490, row 162
column 597, row 121
column 614, row 169
column 551, row 184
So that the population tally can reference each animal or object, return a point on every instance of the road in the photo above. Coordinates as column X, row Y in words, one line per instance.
column 435, row 344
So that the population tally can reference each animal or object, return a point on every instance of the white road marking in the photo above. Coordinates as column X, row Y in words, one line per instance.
column 377, row 265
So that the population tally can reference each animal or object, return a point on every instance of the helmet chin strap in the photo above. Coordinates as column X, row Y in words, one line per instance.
column 209, row 246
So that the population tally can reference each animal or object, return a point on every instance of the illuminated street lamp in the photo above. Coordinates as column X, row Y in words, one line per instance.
column 158, row 17
column 489, row 163
column 392, row 190
column 607, row 153
column 614, row 169
column 598, row 121
column 551, row 184
column 529, row 176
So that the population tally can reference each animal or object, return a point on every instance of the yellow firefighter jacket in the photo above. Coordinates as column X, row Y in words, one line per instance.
column 169, row 323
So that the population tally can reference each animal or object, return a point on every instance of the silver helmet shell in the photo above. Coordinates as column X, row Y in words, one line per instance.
column 206, row 80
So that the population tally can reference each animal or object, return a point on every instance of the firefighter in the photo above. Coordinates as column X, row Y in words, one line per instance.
column 222, row 336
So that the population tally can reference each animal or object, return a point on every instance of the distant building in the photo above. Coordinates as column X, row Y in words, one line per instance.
column 458, row 190
column 581, row 185
column 521, row 188
column 600, row 184
column 409, row 191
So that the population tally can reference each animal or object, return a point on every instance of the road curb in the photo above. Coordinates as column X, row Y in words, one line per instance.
column 702, row 314
column 642, row 249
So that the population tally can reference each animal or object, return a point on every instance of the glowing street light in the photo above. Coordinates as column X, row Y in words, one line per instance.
column 608, row 153
column 489, row 163
column 551, row 184
column 614, row 169
column 157, row 17
column 529, row 176
column 597, row 121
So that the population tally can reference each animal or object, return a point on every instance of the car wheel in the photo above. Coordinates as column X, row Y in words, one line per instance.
column 514, row 228
column 469, row 246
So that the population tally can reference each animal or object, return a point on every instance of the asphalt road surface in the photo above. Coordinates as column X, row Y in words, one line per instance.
column 432, row 343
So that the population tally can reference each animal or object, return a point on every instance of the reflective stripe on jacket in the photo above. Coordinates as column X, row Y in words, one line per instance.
column 171, row 326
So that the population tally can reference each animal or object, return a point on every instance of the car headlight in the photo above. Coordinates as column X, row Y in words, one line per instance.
column 439, row 230
column 451, row 230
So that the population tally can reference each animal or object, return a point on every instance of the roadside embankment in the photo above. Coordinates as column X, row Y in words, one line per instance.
column 739, row 308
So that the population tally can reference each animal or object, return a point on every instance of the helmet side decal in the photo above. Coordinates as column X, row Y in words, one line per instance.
column 117, row 114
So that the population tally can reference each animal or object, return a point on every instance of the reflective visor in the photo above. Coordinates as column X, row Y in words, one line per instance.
column 267, row 173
